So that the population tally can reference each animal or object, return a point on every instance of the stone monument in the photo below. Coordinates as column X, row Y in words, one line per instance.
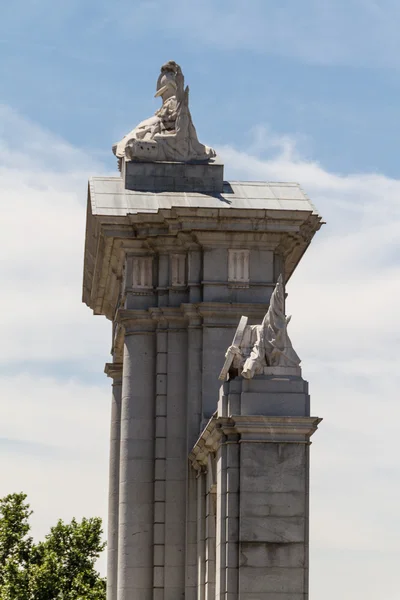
column 209, row 483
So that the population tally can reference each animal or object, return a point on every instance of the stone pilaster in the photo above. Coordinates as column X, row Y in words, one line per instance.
column 259, row 439
column 114, row 370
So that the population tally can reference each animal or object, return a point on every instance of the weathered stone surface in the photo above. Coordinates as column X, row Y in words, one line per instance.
column 281, row 504
column 274, row 579
column 272, row 555
column 275, row 530
column 273, row 468
column 174, row 177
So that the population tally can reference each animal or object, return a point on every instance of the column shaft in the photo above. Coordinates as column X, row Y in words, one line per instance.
column 115, row 372
column 135, row 573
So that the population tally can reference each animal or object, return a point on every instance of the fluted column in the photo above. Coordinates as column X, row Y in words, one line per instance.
column 135, row 551
column 114, row 370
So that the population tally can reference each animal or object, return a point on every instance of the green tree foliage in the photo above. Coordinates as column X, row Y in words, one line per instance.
column 59, row 568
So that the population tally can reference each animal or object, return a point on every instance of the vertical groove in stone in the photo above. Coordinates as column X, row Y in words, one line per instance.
column 135, row 551
column 307, row 522
column 114, row 371
column 160, row 458
column 176, row 463
column 201, row 536
column 210, row 534
column 193, row 421
column 232, row 520
column 221, row 522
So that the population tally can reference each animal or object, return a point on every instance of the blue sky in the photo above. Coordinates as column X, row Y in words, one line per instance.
column 289, row 91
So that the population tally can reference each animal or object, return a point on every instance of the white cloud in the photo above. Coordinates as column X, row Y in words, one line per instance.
column 345, row 326
column 43, row 184
column 54, row 428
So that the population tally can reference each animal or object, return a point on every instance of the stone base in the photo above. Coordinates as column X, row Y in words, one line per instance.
column 282, row 371
column 272, row 395
column 173, row 177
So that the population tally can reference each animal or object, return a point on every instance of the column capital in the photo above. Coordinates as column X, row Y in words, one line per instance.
column 135, row 321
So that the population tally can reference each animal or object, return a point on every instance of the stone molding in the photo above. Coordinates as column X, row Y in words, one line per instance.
column 113, row 370
column 111, row 239
column 220, row 430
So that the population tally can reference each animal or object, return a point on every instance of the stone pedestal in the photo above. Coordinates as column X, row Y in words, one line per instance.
column 173, row 177
column 257, row 446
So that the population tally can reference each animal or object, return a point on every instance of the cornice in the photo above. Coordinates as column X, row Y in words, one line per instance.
column 250, row 429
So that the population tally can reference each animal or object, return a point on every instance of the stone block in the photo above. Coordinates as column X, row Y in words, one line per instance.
column 174, row 555
column 269, row 555
column 133, row 448
column 158, row 576
column 232, row 455
column 160, row 448
column 231, row 580
column 170, row 593
column 279, row 580
column 174, row 492
column 159, row 533
column 278, row 504
column 137, row 515
column 176, row 469
column 162, row 341
column 162, row 362
column 270, row 384
column 232, row 529
column 139, row 470
column 158, row 593
column 232, row 504
column 174, row 177
column 173, row 534
column 191, row 577
column 275, row 404
column 140, row 429
column 160, row 469
column 161, row 383
column 276, row 530
column 159, row 512
column 273, row 467
column 137, row 549
column 232, row 555
column 159, row 491
column 175, row 511
column 161, row 405
column 138, row 578
column 158, row 555
column 233, row 405
column 270, row 596
column 161, row 426
column 139, row 493
column 232, row 480
column 174, row 426
column 176, row 448
column 175, row 577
